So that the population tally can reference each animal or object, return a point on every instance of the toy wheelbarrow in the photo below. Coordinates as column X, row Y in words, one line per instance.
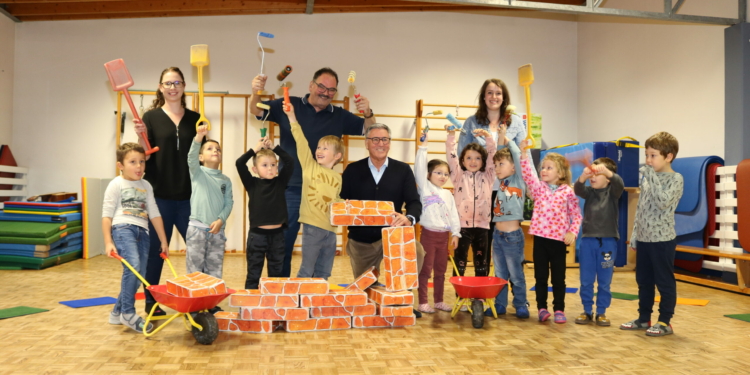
column 204, row 326
column 471, row 291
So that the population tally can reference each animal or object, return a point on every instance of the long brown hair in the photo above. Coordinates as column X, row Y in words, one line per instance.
column 481, row 114
column 159, row 101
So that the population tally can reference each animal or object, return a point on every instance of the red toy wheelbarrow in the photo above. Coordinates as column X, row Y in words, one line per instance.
column 204, row 326
column 472, row 290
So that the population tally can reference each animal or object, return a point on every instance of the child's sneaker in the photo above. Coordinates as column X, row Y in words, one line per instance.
column 425, row 308
column 602, row 321
column 442, row 306
column 522, row 312
column 114, row 318
column 560, row 317
column 499, row 309
column 635, row 324
column 659, row 329
column 544, row 315
column 136, row 323
column 584, row 318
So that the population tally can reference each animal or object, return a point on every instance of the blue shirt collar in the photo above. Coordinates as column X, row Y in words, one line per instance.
column 305, row 101
column 369, row 163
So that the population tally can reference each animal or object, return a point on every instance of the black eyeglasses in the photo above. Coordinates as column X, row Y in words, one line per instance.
column 167, row 85
column 383, row 140
column 322, row 88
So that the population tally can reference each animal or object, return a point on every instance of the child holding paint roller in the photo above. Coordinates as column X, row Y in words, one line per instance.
column 472, row 174
column 555, row 224
column 321, row 186
column 441, row 226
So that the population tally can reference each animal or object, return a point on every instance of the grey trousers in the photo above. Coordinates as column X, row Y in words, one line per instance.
column 365, row 255
column 205, row 251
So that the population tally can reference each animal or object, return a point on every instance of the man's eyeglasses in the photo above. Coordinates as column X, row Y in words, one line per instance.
column 383, row 140
column 167, row 85
column 322, row 88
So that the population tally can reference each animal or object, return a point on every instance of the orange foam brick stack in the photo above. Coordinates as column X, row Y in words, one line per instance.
column 400, row 258
column 196, row 284
column 362, row 213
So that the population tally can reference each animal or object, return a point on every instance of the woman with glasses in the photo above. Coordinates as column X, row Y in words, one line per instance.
column 171, row 127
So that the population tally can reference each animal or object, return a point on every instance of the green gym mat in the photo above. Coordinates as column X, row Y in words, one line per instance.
column 743, row 317
column 625, row 296
column 41, row 240
column 34, row 229
column 19, row 311
column 16, row 262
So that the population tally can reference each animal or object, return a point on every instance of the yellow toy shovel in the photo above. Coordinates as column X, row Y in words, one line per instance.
column 525, row 79
column 199, row 58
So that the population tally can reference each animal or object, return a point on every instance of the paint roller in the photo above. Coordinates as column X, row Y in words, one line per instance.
column 456, row 125
column 120, row 79
column 281, row 77
column 427, row 125
column 351, row 79
column 263, row 53
column 263, row 125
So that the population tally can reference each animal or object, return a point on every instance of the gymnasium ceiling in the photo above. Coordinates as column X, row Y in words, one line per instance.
column 50, row 10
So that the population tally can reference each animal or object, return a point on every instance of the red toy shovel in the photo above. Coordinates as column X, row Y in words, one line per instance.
column 120, row 79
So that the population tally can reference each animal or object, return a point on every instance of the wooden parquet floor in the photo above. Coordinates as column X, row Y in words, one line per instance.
column 80, row 341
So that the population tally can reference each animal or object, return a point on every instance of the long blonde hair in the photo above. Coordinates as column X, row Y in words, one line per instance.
column 563, row 166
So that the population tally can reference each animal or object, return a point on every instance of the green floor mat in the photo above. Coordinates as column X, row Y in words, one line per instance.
column 19, row 311
column 43, row 240
column 625, row 296
column 34, row 229
column 743, row 317
column 38, row 263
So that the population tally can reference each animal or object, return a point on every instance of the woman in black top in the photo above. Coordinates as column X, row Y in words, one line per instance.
column 171, row 127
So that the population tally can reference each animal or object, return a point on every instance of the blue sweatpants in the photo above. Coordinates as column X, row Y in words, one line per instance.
column 597, row 263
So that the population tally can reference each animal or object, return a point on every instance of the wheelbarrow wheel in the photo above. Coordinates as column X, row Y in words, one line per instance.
column 210, row 328
column 477, row 313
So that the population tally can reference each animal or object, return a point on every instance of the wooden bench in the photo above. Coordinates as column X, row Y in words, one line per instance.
column 743, row 270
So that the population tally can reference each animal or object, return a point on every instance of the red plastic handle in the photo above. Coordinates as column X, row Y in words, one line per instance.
column 286, row 98
column 117, row 256
column 163, row 256
column 356, row 96
column 143, row 136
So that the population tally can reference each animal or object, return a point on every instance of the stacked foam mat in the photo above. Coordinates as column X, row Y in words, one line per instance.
column 38, row 245
column 42, row 212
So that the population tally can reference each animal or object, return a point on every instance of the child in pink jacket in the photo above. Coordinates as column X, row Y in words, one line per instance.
column 472, row 175
column 555, row 224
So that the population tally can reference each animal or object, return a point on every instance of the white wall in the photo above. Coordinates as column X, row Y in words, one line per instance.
column 636, row 77
column 8, row 46
column 63, row 115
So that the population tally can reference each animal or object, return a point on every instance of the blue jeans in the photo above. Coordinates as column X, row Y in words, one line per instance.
column 293, row 197
column 507, row 252
column 131, row 242
column 173, row 213
column 318, row 251
column 597, row 263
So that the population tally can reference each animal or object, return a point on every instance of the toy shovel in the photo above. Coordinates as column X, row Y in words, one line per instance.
column 120, row 79
column 199, row 58
column 525, row 79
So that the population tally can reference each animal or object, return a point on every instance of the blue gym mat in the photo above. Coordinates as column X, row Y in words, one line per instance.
column 76, row 303
column 549, row 288
column 75, row 238
column 39, row 218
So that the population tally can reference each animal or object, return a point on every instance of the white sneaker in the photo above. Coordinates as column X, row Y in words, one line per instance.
column 114, row 318
column 135, row 322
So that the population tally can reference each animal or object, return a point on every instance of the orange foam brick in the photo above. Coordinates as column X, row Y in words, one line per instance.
column 196, row 284
column 330, row 312
column 293, row 285
column 253, row 298
column 365, row 280
column 389, row 311
column 335, row 298
column 381, row 296
column 228, row 321
column 321, row 324
column 362, row 213
column 382, row 322
column 400, row 258
column 272, row 313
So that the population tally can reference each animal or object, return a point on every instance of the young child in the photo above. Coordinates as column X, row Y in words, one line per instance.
column 554, row 225
column 267, row 207
column 654, row 235
column 472, row 174
column 598, row 248
column 128, row 205
column 210, row 205
column 507, row 214
column 439, row 222
column 321, row 185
